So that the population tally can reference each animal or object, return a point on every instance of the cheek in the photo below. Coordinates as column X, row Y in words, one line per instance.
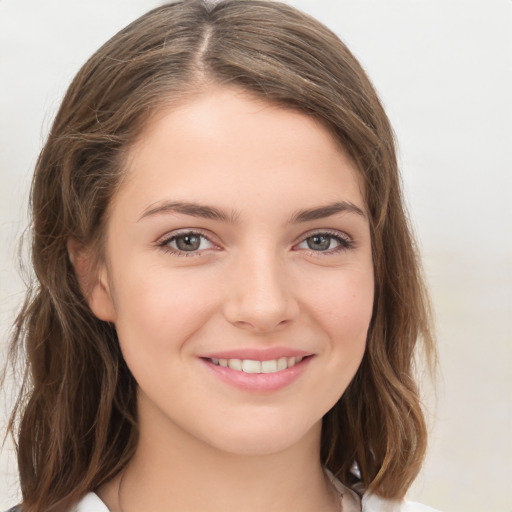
column 343, row 310
column 340, row 309
column 344, row 305
column 159, row 311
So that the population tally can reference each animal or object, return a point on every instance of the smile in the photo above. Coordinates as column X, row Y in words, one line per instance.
column 255, row 366
column 256, row 369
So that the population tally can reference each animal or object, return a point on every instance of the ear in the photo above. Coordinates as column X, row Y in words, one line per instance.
column 93, row 280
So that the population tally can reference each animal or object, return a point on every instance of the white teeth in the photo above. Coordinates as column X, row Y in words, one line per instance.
column 282, row 363
column 269, row 366
column 249, row 366
column 235, row 364
column 254, row 366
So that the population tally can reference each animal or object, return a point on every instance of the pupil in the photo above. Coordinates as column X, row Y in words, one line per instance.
column 319, row 243
column 188, row 243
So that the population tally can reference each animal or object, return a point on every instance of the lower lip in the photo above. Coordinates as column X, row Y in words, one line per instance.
column 259, row 382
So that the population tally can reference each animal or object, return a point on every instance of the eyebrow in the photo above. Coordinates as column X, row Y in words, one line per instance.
column 192, row 209
column 210, row 212
column 323, row 212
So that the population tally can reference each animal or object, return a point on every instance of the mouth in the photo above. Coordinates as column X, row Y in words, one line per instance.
column 255, row 371
column 257, row 366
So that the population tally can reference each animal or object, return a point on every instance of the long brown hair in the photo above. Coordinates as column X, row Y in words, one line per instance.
column 75, row 420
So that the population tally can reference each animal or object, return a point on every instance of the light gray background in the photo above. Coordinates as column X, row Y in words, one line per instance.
column 444, row 71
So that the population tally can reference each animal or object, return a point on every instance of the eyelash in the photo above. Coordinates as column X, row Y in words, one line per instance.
column 345, row 243
column 164, row 243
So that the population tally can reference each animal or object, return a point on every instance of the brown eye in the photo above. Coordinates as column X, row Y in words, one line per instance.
column 189, row 242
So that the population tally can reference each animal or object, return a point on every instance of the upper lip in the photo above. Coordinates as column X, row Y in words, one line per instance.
column 257, row 354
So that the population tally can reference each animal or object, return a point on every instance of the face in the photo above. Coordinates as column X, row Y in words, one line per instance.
column 238, row 272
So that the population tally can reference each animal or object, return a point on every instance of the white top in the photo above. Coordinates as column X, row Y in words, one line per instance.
column 350, row 502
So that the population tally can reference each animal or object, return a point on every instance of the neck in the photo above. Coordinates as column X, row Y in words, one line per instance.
column 173, row 470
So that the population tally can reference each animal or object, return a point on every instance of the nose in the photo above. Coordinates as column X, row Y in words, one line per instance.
column 260, row 295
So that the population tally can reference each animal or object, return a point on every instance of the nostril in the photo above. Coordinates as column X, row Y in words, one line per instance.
column 258, row 296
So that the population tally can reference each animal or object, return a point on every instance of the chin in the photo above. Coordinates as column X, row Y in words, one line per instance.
column 272, row 439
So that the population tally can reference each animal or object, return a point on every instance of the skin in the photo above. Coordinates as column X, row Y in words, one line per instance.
column 253, row 282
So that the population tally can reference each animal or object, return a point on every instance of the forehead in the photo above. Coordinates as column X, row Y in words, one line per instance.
column 226, row 139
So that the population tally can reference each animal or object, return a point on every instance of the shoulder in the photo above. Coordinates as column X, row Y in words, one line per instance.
column 372, row 503
column 90, row 503
column 412, row 506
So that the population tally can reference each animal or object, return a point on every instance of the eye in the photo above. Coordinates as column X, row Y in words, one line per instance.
column 186, row 243
column 326, row 242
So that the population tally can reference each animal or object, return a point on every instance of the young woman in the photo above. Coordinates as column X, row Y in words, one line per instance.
column 228, row 298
